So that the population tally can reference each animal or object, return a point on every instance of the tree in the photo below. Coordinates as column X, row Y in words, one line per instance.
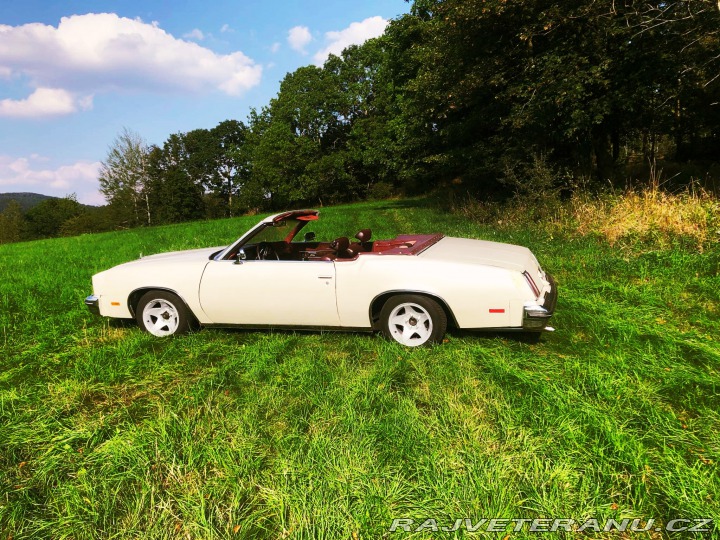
column 12, row 223
column 177, row 178
column 124, row 178
column 373, row 148
column 231, row 163
column 46, row 219
column 300, row 126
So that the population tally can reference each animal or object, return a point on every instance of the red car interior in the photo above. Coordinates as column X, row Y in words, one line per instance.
column 341, row 249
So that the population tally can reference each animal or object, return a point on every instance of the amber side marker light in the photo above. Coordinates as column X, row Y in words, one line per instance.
column 114, row 303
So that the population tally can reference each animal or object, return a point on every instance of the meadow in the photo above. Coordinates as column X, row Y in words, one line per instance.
column 108, row 432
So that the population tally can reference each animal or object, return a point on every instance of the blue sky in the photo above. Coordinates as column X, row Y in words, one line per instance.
column 74, row 73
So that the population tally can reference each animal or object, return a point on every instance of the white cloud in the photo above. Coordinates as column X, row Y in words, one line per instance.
column 45, row 102
column 275, row 47
column 101, row 52
column 196, row 34
column 298, row 38
column 29, row 174
column 355, row 34
column 225, row 28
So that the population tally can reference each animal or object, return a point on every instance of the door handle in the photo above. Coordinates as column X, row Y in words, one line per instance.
column 324, row 277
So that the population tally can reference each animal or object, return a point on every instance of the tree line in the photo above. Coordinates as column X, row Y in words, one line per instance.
column 50, row 218
column 463, row 95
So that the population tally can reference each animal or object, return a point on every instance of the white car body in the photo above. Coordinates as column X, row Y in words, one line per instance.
column 479, row 284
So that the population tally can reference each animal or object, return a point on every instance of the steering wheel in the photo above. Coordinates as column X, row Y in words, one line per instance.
column 265, row 251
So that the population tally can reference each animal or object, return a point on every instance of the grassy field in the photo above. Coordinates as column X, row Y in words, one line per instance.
column 107, row 432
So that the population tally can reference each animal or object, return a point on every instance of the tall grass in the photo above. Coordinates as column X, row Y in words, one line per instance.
column 107, row 432
column 651, row 215
column 646, row 217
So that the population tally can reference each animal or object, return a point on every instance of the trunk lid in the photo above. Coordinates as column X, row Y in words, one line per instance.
column 469, row 251
column 509, row 256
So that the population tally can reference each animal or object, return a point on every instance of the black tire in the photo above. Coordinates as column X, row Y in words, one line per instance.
column 413, row 320
column 158, row 307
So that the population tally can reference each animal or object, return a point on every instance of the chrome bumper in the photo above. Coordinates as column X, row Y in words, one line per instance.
column 537, row 317
column 93, row 304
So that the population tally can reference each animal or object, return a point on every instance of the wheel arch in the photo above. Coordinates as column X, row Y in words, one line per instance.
column 379, row 301
column 134, row 298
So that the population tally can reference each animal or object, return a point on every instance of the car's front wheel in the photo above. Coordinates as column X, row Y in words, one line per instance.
column 163, row 314
column 413, row 320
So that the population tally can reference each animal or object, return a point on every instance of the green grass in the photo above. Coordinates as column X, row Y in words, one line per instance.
column 107, row 432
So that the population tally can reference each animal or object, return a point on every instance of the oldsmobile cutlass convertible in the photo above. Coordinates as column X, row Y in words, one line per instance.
column 410, row 288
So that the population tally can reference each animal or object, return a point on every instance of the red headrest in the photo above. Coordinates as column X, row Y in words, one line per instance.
column 364, row 235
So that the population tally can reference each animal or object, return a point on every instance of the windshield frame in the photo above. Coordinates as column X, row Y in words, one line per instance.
column 251, row 237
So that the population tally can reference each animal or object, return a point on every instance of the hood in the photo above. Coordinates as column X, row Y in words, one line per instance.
column 180, row 256
column 468, row 251
column 173, row 270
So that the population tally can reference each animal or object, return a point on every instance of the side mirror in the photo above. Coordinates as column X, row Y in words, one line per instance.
column 309, row 236
column 241, row 256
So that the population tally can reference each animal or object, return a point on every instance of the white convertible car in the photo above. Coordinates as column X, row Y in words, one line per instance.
column 411, row 287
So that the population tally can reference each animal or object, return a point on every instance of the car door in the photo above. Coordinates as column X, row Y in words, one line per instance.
column 295, row 293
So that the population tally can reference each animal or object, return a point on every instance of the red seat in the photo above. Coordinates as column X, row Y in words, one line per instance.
column 340, row 247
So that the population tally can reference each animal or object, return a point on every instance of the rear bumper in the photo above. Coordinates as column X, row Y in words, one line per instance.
column 93, row 304
column 537, row 317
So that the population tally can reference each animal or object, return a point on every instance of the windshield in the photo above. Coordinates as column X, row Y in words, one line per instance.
column 279, row 231
column 274, row 232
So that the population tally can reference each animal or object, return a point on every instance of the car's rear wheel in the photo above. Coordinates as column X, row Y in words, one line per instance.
column 413, row 320
column 163, row 314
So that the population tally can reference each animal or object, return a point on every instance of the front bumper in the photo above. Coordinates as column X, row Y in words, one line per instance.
column 537, row 317
column 93, row 304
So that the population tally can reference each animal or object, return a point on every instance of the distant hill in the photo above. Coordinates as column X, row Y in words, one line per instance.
column 25, row 200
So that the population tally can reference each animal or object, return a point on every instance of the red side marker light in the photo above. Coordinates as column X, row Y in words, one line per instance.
column 497, row 310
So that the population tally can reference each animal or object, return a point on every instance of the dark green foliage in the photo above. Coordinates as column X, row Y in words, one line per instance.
column 230, row 165
column 177, row 178
column 93, row 219
column 45, row 219
column 12, row 223
column 298, row 141
column 498, row 81
column 332, row 133
column 51, row 216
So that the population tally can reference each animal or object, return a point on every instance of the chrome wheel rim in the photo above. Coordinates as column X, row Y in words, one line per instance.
column 410, row 324
column 161, row 317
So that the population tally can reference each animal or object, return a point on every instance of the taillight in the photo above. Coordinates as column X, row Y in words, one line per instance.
column 531, row 283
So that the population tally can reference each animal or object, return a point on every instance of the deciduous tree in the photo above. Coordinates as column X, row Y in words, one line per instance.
column 124, row 178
